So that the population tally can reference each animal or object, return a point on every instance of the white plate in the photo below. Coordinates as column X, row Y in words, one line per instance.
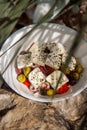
column 44, row 33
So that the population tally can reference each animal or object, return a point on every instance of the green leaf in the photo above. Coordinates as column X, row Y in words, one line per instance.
column 4, row 7
column 18, row 9
column 5, row 32
column 9, row 20
column 1, row 81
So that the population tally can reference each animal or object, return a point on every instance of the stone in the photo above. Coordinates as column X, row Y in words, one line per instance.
column 83, row 7
column 5, row 100
column 24, row 114
column 20, row 113
column 30, row 115
column 73, row 108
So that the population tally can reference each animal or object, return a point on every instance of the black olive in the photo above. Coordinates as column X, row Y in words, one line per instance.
column 72, row 80
column 42, row 91
column 47, row 50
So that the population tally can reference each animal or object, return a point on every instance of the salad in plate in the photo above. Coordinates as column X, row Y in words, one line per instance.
column 39, row 68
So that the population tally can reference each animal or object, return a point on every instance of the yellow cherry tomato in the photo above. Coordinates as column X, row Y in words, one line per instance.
column 21, row 78
column 26, row 70
column 50, row 92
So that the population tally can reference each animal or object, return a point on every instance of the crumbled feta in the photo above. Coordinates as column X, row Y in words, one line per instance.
column 58, row 48
column 54, row 60
column 35, row 47
column 54, row 47
column 54, row 77
column 72, row 63
column 38, row 56
column 42, row 54
column 48, row 45
column 24, row 60
column 36, row 77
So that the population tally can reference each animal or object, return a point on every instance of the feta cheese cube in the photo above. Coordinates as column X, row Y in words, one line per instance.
column 54, row 60
column 49, row 45
column 72, row 63
column 38, row 56
column 24, row 60
column 58, row 48
column 54, row 77
column 36, row 77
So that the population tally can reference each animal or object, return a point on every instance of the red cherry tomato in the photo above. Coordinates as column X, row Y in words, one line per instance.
column 64, row 88
column 49, row 69
column 42, row 68
column 27, row 83
column 46, row 70
column 18, row 71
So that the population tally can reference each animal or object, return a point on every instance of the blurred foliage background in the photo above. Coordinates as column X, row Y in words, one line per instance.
column 12, row 10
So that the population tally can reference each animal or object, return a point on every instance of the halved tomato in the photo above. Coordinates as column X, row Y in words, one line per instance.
column 64, row 88
column 49, row 69
column 46, row 70
column 42, row 68
column 27, row 83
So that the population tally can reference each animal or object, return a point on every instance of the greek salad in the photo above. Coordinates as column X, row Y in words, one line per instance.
column 40, row 67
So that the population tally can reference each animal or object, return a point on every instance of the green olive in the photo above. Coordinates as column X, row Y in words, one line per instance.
column 79, row 68
column 67, row 71
column 76, row 75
